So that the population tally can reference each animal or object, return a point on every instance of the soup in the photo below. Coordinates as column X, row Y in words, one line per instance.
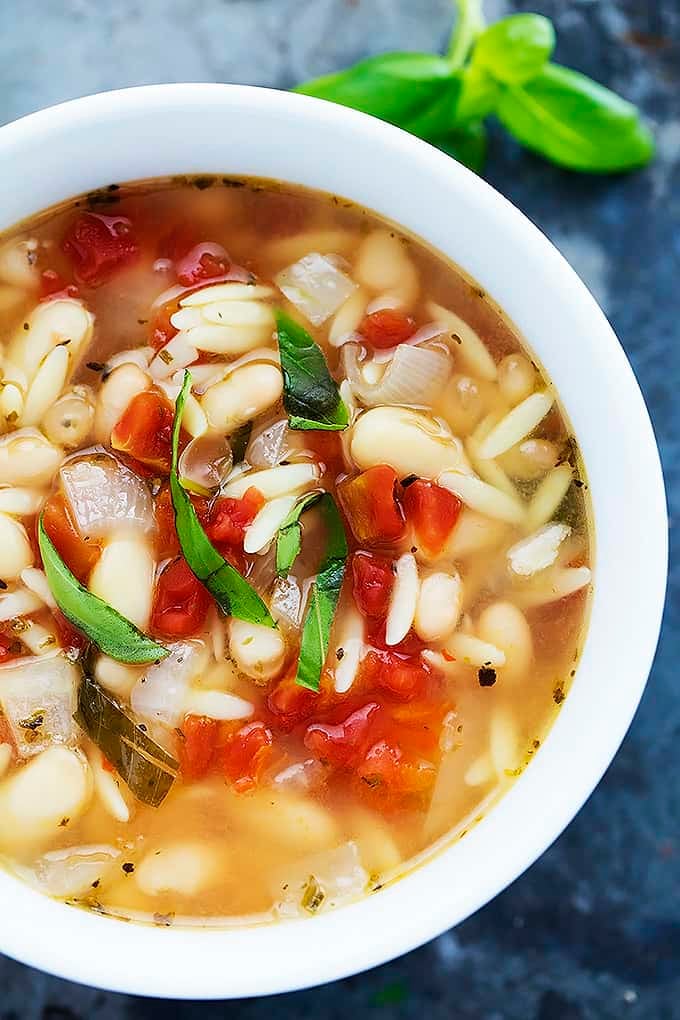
column 294, row 551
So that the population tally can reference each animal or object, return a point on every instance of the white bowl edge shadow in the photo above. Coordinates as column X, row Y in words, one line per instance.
column 238, row 130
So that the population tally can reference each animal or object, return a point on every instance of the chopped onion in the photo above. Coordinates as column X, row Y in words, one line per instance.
column 537, row 551
column 38, row 699
column 104, row 495
column 286, row 602
column 414, row 376
column 321, row 881
column 269, row 445
column 205, row 463
column 383, row 301
column 18, row 603
column 315, row 286
column 160, row 694
column 72, row 870
column 430, row 331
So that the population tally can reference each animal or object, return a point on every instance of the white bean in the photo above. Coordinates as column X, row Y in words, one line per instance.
column 121, row 387
column 516, row 378
column 402, row 608
column 20, row 502
column 68, row 422
column 117, row 677
column 26, row 457
column 383, row 265
column 530, row 459
column 516, row 424
column 257, row 651
column 548, row 496
column 470, row 348
column 473, row 533
column 124, row 577
column 49, row 325
column 287, row 820
column 484, row 498
column 45, row 796
column 184, row 868
column 47, row 384
column 15, row 549
column 504, row 625
column 410, row 442
column 439, row 605
column 242, row 396
column 273, row 482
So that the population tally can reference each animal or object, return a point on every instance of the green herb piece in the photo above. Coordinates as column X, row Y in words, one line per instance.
column 312, row 895
column 323, row 599
column 289, row 538
column 144, row 765
column 234, row 595
column 576, row 123
column 239, row 440
column 310, row 394
column 515, row 49
column 503, row 69
column 111, row 632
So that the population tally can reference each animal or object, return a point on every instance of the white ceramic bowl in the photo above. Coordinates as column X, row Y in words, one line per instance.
column 173, row 129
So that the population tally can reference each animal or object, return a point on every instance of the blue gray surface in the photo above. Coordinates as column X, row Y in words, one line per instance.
column 592, row 931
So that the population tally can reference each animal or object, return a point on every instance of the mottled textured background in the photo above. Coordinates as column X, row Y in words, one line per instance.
column 592, row 932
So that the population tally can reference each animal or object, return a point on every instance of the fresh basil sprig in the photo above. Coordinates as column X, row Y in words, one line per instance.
column 323, row 599
column 505, row 70
column 234, row 595
column 100, row 622
column 289, row 537
column 310, row 394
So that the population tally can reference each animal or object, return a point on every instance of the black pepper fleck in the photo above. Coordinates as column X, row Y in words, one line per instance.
column 486, row 676
column 128, row 867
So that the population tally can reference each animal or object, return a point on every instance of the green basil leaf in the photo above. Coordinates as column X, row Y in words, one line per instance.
column 515, row 49
column 144, row 765
column 576, row 123
column 289, row 538
column 396, row 87
column 467, row 144
column 234, row 595
column 323, row 599
column 479, row 93
column 310, row 394
column 111, row 632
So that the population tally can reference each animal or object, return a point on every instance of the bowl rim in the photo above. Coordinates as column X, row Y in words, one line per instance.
column 204, row 964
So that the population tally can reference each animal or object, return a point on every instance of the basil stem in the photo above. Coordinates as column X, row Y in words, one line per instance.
column 111, row 632
column 144, row 765
column 234, row 595
column 310, row 394
column 289, row 538
column 323, row 599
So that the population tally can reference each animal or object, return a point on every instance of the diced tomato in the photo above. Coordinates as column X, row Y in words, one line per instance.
column 230, row 517
column 328, row 448
column 206, row 261
column 404, row 677
column 145, row 431
column 53, row 286
column 198, row 746
column 386, row 766
column 106, row 764
column 77, row 553
column 344, row 744
column 70, row 638
column 290, row 704
column 180, row 602
column 370, row 502
column 167, row 541
column 372, row 583
column 387, row 328
column 377, row 637
column 99, row 245
column 162, row 330
column 433, row 511
column 246, row 754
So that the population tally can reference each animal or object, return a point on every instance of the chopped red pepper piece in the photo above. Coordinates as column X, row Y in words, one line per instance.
column 370, row 502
